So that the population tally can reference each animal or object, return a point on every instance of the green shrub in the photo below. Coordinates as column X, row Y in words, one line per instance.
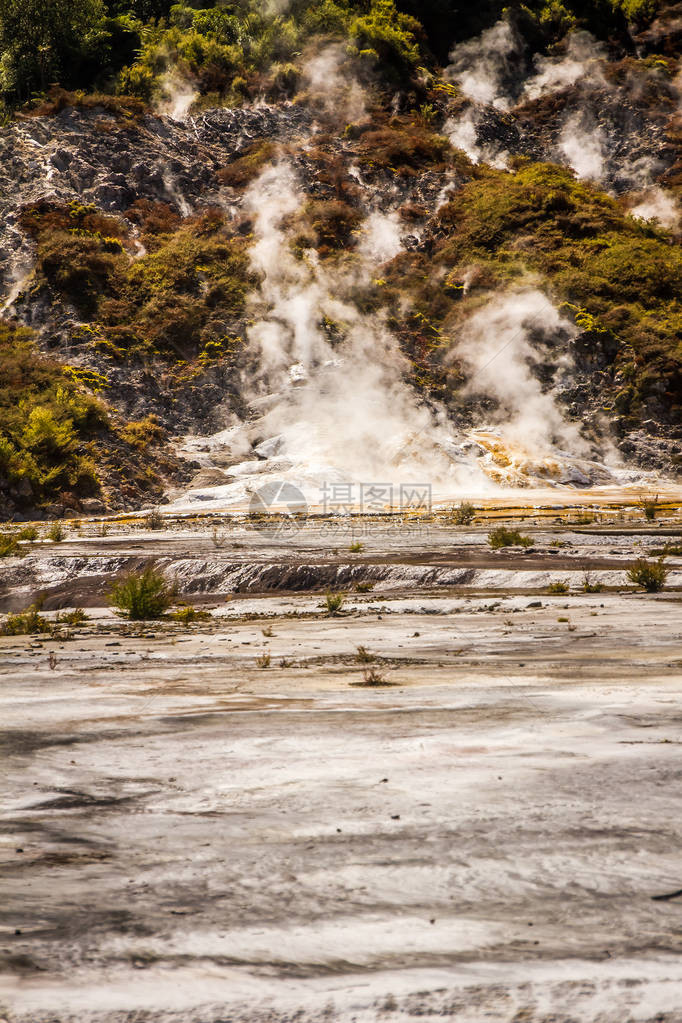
column 334, row 602
column 29, row 533
column 46, row 418
column 502, row 537
column 56, row 532
column 651, row 575
column 464, row 514
column 143, row 595
column 9, row 545
column 649, row 506
column 389, row 35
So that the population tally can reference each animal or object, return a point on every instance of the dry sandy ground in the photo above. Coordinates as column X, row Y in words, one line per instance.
column 189, row 836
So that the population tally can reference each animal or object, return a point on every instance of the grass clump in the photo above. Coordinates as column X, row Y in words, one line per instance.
column 75, row 617
column 334, row 602
column 372, row 677
column 264, row 660
column 9, row 545
column 28, row 533
column 591, row 587
column 559, row 587
column 363, row 656
column 356, row 547
column 651, row 575
column 503, row 537
column 145, row 595
column 190, row 615
column 27, row 623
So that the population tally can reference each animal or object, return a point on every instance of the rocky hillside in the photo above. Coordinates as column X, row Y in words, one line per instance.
column 235, row 201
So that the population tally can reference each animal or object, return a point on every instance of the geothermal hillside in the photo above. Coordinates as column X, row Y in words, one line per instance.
column 333, row 239
column 341, row 511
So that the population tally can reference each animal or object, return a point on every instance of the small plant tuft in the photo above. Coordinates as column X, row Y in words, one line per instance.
column 356, row 547
column 155, row 520
column 75, row 617
column 364, row 587
column 649, row 506
column 363, row 656
column 589, row 586
column 264, row 660
column 189, row 615
column 372, row 677
column 561, row 586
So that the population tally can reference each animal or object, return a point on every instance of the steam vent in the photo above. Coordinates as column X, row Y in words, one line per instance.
column 340, row 511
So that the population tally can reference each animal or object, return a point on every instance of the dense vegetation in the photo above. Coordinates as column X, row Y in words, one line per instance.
column 58, row 441
column 240, row 48
column 46, row 422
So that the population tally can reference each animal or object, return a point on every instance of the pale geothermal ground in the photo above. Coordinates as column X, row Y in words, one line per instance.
column 190, row 835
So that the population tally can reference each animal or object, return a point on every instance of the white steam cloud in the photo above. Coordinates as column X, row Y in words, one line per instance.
column 178, row 95
column 657, row 205
column 581, row 61
column 483, row 69
column 584, row 147
column 496, row 348
column 463, row 134
column 482, row 66
column 344, row 409
column 338, row 93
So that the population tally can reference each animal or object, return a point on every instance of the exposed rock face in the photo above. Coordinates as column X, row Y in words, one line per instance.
column 99, row 158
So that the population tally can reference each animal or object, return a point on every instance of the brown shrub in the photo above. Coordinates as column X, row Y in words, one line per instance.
column 332, row 223
column 406, row 148
column 59, row 99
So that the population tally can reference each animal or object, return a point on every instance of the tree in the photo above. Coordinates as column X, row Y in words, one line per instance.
column 42, row 40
